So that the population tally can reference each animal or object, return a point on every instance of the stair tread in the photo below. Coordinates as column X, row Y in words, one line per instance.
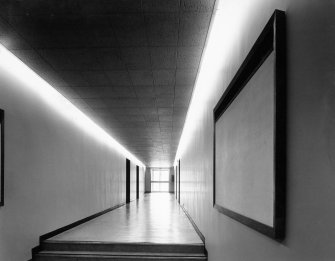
column 134, row 247
column 120, row 243
column 94, row 253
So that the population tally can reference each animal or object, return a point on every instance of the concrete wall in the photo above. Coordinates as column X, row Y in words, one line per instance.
column 55, row 173
column 311, row 133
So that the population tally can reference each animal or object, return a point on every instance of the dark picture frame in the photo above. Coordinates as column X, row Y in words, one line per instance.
column 272, row 41
column 2, row 156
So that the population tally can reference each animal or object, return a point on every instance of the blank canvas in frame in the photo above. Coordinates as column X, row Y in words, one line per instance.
column 249, row 134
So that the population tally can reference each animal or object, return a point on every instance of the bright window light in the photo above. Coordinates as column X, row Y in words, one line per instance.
column 51, row 96
column 160, row 180
column 160, row 175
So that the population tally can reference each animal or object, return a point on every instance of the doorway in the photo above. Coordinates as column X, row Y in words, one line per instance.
column 178, row 181
column 137, row 182
column 127, row 180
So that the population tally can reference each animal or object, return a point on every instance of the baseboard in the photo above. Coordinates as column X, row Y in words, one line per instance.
column 77, row 223
column 35, row 250
column 202, row 237
column 53, row 233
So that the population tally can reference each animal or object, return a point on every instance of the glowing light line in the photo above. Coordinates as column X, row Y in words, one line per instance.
column 52, row 97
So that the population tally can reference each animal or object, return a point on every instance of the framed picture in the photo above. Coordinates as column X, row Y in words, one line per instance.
column 2, row 150
column 249, row 137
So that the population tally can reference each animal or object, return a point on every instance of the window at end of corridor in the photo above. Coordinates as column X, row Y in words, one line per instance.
column 160, row 180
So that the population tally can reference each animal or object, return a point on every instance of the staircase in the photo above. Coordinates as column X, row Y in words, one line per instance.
column 52, row 250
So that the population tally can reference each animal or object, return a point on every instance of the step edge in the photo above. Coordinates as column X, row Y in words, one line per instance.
column 63, row 253
column 120, row 243
column 125, row 257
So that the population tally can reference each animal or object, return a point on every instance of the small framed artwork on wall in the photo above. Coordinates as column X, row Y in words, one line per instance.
column 2, row 151
column 249, row 137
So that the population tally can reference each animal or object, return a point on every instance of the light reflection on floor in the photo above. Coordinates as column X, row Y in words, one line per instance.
column 156, row 218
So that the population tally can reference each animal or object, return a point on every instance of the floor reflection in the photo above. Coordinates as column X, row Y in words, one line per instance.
column 156, row 218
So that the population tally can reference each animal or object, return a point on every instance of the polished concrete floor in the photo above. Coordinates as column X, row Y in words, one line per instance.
column 156, row 218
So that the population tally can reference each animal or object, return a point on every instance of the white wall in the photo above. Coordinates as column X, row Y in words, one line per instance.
column 311, row 133
column 55, row 173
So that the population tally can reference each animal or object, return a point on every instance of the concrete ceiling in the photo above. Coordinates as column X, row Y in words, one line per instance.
column 129, row 64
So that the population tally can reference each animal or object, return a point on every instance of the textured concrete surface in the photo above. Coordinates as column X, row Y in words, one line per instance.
column 122, row 62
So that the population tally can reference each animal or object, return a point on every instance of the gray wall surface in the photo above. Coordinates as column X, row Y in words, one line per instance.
column 55, row 172
column 311, row 133
column 147, row 180
column 171, row 184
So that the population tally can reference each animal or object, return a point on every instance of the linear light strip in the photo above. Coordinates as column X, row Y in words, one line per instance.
column 219, row 47
column 22, row 72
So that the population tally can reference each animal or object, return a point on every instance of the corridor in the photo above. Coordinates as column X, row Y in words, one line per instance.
column 229, row 104
column 153, row 227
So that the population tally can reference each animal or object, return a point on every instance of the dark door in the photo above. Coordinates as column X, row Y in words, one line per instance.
column 179, row 181
column 137, row 182
column 127, row 180
column 176, row 182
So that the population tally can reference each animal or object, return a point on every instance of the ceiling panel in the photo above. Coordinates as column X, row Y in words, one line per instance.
column 162, row 29
column 136, row 57
column 197, row 5
column 119, row 78
column 164, row 57
column 188, row 57
column 141, row 77
column 193, row 28
column 111, row 59
column 164, row 77
column 129, row 29
column 161, row 6
column 73, row 78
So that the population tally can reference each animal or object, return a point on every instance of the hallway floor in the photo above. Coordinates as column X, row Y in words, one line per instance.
column 156, row 218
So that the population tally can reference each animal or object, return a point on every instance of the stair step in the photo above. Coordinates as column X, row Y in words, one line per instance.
column 78, row 253
column 122, row 247
column 107, row 256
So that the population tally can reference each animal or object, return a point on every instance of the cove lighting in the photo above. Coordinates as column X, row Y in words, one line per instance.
column 218, row 49
column 52, row 97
